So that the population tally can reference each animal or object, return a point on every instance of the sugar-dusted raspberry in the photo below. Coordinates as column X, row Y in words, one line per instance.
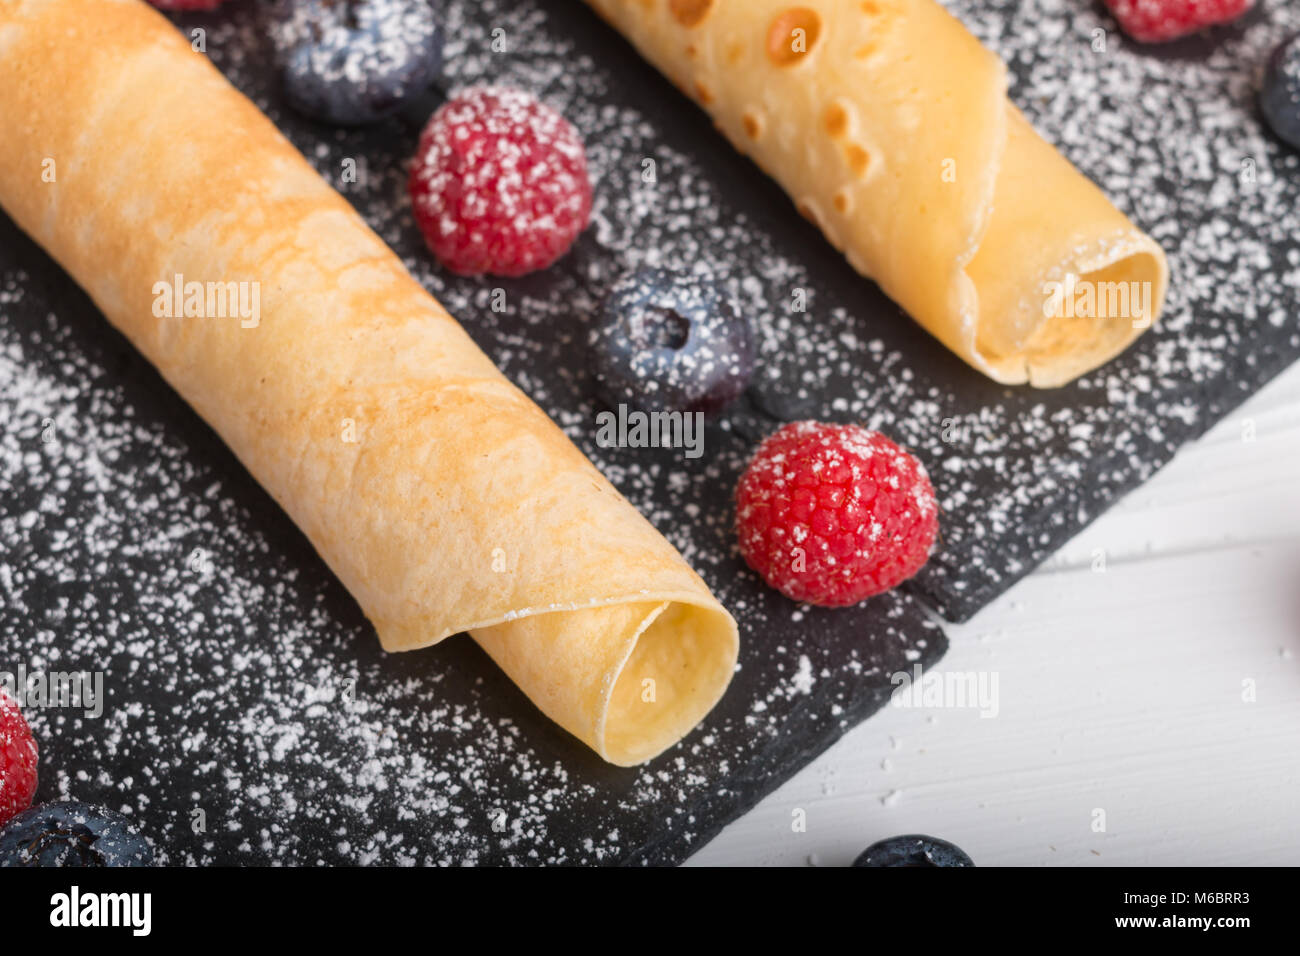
column 187, row 4
column 17, row 760
column 832, row 514
column 1156, row 21
column 499, row 183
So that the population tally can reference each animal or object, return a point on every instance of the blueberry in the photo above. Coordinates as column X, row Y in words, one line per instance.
column 352, row 62
column 1280, row 96
column 670, row 342
column 915, row 849
column 72, row 834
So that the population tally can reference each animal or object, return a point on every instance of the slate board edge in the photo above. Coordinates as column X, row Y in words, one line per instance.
column 675, row 848
column 975, row 599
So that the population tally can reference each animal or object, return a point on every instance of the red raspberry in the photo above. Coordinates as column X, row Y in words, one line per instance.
column 832, row 514
column 1155, row 21
column 17, row 761
column 499, row 183
column 187, row 4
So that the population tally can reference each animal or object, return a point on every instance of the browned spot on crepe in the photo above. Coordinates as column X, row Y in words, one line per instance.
column 857, row 158
column 792, row 35
column 703, row 92
column 836, row 120
column 690, row 13
column 753, row 123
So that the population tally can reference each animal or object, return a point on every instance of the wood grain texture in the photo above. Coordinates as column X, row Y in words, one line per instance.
column 1119, row 689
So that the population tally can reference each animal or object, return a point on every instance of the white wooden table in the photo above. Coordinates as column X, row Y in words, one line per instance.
column 1125, row 668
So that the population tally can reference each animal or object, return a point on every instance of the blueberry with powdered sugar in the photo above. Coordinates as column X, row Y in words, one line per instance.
column 915, row 850
column 670, row 342
column 73, row 834
column 1280, row 96
column 353, row 62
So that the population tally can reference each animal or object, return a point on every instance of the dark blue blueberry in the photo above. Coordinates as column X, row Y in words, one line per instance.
column 1280, row 96
column 72, row 834
column 353, row 62
column 670, row 342
column 915, row 849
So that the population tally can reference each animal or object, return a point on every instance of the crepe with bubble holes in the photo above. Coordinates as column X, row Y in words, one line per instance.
column 441, row 496
column 889, row 125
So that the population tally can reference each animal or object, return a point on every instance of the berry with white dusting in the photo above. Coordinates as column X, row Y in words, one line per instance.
column 73, row 834
column 915, row 850
column 353, row 62
column 834, row 514
column 18, row 755
column 499, row 184
column 1280, row 96
column 1159, row 21
column 670, row 342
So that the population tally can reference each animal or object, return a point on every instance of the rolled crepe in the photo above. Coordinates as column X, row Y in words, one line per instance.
column 889, row 126
column 441, row 496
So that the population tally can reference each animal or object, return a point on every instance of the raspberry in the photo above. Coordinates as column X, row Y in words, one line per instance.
column 1155, row 21
column 499, row 183
column 17, row 761
column 832, row 514
column 187, row 4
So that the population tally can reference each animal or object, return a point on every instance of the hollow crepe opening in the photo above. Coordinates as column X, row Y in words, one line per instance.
column 627, row 678
column 675, row 672
column 1075, row 321
column 1123, row 297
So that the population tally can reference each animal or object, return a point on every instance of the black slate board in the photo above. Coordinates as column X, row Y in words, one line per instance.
column 253, row 690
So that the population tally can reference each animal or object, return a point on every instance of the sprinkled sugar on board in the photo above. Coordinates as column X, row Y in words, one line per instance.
column 243, row 681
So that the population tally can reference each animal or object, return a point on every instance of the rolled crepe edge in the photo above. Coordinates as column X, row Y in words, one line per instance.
column 1043, row 362
column 711, row 674
column 1008, row 329
column 639, row 674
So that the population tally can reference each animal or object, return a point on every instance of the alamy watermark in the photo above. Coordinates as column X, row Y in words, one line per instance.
column 1086, row 299
column 946, row 690
column 39, row 689
column 209, row 300
column 632, row 428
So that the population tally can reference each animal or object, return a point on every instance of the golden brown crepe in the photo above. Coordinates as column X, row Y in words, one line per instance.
column 889, row 126
column 441, row 496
